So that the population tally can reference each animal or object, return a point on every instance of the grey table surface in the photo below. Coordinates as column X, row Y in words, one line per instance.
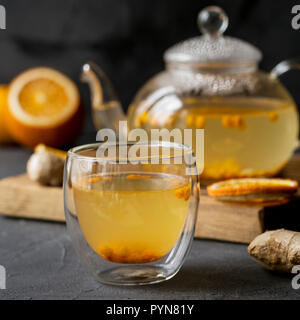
column 41, row 263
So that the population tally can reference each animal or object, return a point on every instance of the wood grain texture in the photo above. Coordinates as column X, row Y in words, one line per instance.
column 20, row 197
column 230, row 222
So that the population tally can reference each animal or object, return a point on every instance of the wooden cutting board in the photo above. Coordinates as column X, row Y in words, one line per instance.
column 20, row 197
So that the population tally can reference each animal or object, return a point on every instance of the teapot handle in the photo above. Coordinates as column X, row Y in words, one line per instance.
column 285, row 66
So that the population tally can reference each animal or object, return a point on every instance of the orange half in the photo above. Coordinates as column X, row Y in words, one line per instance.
column 44, row 107
column 4, row 135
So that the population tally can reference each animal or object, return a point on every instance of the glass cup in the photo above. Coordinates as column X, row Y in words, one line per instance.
column 131, row 215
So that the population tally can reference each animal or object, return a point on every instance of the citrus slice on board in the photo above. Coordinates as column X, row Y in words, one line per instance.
column 43, row 107
column 4, row 135
column 254, row 190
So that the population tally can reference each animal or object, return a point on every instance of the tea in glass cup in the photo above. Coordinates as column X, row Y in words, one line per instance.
column 131, row 223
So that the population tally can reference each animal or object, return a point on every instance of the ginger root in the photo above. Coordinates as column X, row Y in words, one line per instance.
column 46, row 168
column 277, row 250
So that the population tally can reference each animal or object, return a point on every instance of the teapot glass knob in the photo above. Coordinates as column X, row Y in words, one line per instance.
column 213, row 21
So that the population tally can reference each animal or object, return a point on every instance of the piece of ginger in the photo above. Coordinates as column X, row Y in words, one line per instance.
column 46, row 168
column 277, row 250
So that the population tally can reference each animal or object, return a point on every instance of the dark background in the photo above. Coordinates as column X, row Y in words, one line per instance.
column 127, row 38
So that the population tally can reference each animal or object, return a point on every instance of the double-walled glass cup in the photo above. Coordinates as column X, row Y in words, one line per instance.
column 131, row 209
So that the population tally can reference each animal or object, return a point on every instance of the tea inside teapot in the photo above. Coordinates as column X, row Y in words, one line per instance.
column 244, row 136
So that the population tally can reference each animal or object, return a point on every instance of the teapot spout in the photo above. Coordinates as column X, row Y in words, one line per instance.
column 105, row 104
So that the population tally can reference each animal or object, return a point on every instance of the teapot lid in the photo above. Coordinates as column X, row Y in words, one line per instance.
column 212, row 48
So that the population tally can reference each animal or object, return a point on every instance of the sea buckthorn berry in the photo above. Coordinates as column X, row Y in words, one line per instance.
column 199, row 122
column 273, row 116
column 227, row 122
column 239, row 122
column 190, row 120
column 183, row 192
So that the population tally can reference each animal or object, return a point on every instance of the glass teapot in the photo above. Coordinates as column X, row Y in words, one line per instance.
column 212, row 82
